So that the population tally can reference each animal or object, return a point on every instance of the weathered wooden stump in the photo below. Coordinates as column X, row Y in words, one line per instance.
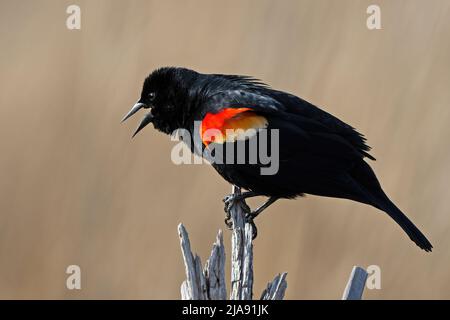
column 208, row 282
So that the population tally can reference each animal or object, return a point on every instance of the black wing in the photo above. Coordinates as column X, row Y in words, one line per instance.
column 231, row 91
column 301, row 107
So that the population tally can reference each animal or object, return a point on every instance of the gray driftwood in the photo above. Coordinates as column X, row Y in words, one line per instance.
column 208, row 282
column 356, row 283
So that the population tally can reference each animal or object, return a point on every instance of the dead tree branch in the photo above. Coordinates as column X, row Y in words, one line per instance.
column 208, row 283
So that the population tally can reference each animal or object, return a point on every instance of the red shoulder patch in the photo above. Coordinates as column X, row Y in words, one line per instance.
column 230, row 124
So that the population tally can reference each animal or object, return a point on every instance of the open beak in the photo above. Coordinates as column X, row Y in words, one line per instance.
column 145, row 121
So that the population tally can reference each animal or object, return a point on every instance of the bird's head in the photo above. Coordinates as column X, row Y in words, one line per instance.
column 166, row 93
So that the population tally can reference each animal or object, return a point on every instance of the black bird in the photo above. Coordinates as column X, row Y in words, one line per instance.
column 318, row 153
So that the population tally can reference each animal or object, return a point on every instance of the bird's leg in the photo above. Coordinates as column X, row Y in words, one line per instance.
column 231, row 199
column 249, row 217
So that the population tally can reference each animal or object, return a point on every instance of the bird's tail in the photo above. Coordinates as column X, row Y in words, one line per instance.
column 375, row 196
column 385, row 204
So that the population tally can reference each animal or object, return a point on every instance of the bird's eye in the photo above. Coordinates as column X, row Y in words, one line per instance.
column 151, row 95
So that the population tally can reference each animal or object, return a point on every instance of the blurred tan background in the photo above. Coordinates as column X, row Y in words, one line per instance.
column 75, row 189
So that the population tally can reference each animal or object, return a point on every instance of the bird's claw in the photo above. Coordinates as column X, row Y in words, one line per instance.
column 229, row 201
column 228, row 221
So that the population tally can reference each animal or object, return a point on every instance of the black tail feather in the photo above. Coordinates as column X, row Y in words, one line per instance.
column 411, row 230
column 372, row 193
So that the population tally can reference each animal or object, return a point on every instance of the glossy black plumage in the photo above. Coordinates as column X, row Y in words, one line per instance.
column 319, row 154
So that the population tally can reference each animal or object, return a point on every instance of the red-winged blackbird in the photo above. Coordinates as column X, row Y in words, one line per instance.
column 318, row 153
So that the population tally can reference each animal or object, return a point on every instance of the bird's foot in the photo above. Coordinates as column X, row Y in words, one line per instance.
column 249, row 218
column 227, row 220
column 231, row 200
column 228, row 201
